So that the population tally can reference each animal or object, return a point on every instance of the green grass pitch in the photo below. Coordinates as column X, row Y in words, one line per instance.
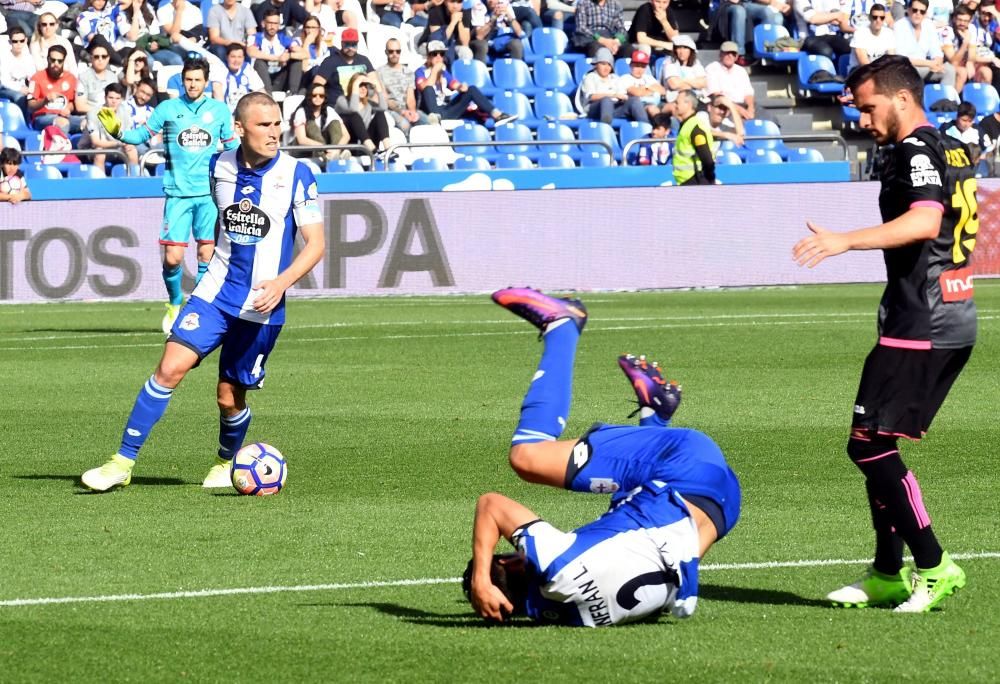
column 395, row 414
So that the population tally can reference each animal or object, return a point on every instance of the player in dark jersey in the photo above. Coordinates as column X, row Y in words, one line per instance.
column 927, row 326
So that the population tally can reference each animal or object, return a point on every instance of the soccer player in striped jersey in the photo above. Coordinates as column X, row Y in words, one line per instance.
column 673, row 496
column 264, row 198
column 193, row 126
column 926, row 326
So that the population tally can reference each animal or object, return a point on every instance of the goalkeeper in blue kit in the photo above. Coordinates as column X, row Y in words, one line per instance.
column 672, row 496
column 193, row 126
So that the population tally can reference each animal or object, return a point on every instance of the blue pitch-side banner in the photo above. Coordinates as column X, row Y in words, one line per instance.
column 435, row 181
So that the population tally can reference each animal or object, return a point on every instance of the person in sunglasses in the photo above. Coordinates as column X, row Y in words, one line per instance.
column 917, row 39
column 53, row 100
column 16, row 70
column 400, row 90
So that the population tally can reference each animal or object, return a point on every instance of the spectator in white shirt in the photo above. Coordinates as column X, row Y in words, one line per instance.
column 918, row 40
column 874, row 40
column 826, row 27
column 728, row 78
column 16, row 70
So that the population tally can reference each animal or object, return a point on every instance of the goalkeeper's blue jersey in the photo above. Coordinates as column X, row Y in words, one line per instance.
column 191, row 133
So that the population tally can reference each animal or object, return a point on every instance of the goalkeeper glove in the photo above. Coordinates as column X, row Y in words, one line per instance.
column 109, row 119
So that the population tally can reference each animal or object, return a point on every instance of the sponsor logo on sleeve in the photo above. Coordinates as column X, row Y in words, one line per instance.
column 922, row 171
column 245, row 224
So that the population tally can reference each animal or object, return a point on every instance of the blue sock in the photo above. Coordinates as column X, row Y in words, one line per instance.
column 172, row 279
column 545, row 409
column 648, row 417
column 202, row 268
column 148, row 409
column 232, row 432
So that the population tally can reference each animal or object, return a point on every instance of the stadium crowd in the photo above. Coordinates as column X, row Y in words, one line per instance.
column 366, row 78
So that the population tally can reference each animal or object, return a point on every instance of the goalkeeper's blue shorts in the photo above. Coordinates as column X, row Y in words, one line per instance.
column 187, row 216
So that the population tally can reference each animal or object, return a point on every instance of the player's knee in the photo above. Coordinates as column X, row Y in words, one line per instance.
column 863, row 444
column 522, row 459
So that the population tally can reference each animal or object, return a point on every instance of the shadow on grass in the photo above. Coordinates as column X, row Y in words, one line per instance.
column 417, row 616
column 772, row 597
column 155, row 481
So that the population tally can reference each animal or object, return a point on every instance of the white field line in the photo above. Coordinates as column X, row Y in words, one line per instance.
column 647, row 323
column 236, row 591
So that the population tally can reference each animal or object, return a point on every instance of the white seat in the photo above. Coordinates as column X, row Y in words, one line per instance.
column 397, row 137
column 432, row 134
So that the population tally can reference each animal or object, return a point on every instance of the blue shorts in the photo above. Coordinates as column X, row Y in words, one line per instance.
column 187, row 216
column 202, row 327
column 616, row 459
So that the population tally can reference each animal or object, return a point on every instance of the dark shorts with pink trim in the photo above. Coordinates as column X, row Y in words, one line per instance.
column 902, row 389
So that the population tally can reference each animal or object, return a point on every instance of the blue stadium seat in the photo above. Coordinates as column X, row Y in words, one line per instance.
column 622, row 66
column 553, row 74
column 810, row 64
column 769, row 33
column 984, row 96
column 633, row 130
column 119, row 171
column 850, row 116
column 727, row 158
column 805, row 154
column 555, row 106
column 516, row 103
column 85, row 171
column 580, row 69
column 658, row 66
column 14, row 124
column 474, row 72
column 591, row 159
column 730, row 146
column 514, row 161
column 763, row 156
column 935, row 92
column 428, row 164
column 469, row 133
column 844, row 65
column 515, row 132
column 555, row 160
column 39, row 170
column 598, row 130
column 764, row 127
column 550, row 131
column 513, row 74
column 351, row 165
column 472, row 163
column 550, row 42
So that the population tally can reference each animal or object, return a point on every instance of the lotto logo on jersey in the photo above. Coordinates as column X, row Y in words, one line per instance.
column 245, row 224
column 194, row 138
column 922, row 171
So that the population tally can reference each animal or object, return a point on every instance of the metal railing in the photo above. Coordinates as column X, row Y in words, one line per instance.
column 502, row 143
column 85, row 152
column 834, row 138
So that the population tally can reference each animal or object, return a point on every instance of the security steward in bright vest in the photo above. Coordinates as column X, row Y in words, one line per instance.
column 694, row 163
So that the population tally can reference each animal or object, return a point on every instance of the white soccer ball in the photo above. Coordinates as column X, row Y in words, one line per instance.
column 259, row 470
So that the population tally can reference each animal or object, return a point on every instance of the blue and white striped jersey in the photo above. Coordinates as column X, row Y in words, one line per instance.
column 634, row 561
column 260, row 211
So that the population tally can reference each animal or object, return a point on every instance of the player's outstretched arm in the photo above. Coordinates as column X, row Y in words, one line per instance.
column 270, row 292
column 496, row 516
column 919, row 223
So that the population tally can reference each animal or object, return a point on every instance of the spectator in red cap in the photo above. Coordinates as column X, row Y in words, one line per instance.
column 336, row 70
column 640, row 83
